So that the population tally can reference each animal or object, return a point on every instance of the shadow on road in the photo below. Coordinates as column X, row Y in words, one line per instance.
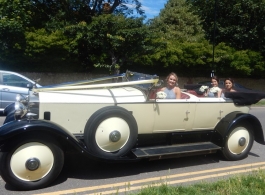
column 79, row 167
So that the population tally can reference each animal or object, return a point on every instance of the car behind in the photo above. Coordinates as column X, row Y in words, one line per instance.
column 11, row 84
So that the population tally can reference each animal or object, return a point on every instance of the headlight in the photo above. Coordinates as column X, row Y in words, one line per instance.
column 20, row 109
column 21, row 106
column 18, row 97
column 22, row 99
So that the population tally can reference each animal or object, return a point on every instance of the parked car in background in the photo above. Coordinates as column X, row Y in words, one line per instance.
column 119, row 120
column 11, row 84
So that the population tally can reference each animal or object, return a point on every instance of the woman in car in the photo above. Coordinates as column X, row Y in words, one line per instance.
column 229, row 83
column 171, row 90
column 214, row 91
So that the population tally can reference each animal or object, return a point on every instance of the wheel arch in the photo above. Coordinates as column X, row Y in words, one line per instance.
column 15, row 129
column 232, row 119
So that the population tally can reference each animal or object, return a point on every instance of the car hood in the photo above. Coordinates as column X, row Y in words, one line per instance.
column 118, row 95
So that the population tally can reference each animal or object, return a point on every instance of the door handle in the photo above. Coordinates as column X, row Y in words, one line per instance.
column 187, row 117
column 221, row 112
column 6, row 89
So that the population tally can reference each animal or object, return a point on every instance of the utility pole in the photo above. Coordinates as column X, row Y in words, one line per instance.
column 214, row 28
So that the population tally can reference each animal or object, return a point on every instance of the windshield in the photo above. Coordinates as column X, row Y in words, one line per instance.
column 135, row 76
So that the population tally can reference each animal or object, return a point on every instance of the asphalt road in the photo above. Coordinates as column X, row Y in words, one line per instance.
column 81, row 176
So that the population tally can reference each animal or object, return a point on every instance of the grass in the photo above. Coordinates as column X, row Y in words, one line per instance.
column 260, row 103
column 253, row 183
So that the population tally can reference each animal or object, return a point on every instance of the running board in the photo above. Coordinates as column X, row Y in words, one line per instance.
column 159, row 152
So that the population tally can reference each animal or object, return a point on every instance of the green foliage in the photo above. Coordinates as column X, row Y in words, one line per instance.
column 31, row 31
column 73, row 11
column 51, row 46
column 181, row 44
column 167, row 54
column 61, row 35
column 238, row 63
column 14, row 17
column 178, row 22
column 245, row 62
column 244, row 184
column 240, row 24
column 108, row 39
column 39, row 41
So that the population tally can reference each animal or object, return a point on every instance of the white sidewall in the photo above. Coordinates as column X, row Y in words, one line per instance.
column 233, row 140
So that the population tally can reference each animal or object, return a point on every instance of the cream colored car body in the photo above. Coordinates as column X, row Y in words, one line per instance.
column 118, row 122
column 71, row 109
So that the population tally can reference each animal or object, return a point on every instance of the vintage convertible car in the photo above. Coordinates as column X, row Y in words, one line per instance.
column 119, row 118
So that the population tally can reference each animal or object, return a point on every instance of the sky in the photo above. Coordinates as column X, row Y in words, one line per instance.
column 152, row 7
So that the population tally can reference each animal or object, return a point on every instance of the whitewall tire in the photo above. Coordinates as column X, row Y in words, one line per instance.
column 111, row 132
column 238, row 142
column 32, row 163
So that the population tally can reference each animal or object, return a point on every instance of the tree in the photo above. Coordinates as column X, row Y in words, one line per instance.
column 179, row 41
column 14, row 16
column 48, row 51
column 75, row 11
column 178, row 22
column 108, row 40
column 45, row 18
column 239, row 24
column 231, row 62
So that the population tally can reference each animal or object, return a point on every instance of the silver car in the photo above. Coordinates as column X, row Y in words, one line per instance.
column 11, row 84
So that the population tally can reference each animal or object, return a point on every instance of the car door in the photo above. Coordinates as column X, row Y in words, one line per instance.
column 209, row 111
column 12, row 85
column 173, row 115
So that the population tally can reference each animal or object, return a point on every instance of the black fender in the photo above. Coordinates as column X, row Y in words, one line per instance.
column 22, row 127
column 15, row 129
column 234, row 118
column 9, row 108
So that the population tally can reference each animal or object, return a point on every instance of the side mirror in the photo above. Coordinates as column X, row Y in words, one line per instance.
column 37, row 80
column 30, row 85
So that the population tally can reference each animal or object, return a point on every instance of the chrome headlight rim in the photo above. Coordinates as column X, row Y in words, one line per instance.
column 20, row 109
column 22, row 99
column 21, row 105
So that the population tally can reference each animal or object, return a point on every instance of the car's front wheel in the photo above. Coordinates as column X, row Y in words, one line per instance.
column 238, row 142
column 32, row 163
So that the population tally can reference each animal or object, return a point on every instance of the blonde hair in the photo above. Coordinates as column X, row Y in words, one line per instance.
column 172, row 74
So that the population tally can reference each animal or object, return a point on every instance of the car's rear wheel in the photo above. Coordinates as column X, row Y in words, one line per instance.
column 32, row 163
column 238, row 142
column 111, row 132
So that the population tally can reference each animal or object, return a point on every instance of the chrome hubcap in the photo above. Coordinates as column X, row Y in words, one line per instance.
column 112, row 134
column 32, row 164
column 115, row 136
column 242, row 141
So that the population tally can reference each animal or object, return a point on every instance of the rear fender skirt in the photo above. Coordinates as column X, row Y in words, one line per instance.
column 234, row 118
column 16, row 129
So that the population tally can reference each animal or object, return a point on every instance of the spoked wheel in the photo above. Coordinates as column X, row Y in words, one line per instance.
column 238, row 142
column 31, row 164
column 111, row 132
